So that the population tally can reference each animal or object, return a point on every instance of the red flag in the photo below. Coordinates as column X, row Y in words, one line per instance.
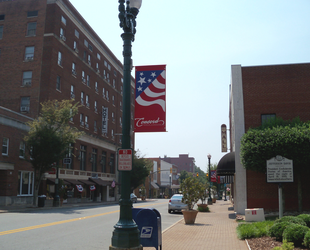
column 213, row 176
column 150, row 99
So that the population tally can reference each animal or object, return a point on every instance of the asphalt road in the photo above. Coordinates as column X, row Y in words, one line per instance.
column 69, row 228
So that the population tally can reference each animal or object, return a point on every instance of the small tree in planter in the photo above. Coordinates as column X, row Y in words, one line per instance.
column 214, row 193
column 190, row 190
column 203, row 195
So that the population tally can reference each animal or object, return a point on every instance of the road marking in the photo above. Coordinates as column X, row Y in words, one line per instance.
column 64, row 221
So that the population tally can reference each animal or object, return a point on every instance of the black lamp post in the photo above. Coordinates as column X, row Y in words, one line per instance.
column 126, row 233
column 209, row 165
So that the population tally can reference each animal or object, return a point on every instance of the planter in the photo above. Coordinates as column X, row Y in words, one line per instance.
column 203, row 208
column 214, row 200
column 189, row 216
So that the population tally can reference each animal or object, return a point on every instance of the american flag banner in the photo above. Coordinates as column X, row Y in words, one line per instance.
column 213, row 176
column 150, row 99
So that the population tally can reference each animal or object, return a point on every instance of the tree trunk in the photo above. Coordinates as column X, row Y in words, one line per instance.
column 299, row 192
column 37, row 180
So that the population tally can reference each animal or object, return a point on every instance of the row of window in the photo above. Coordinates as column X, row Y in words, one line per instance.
column 5, row 147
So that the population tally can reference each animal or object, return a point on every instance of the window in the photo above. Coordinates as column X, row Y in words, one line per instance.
column 86, row 121
column 1, row 31
column 88, row 59
column 113, row 117
column 58, row 83
column 22, row 149
column 267, row 118
column 108, row 77
column 73, row 69
column 87, row 101
column 113, row 83
column 96, row 87
column 2, row 17
column 98, row 56
column 87, row 80
column 75, row 47
column 112, row 164
column 29, row 53
column 85, row 43
column 27, row 77
column 82, row 98
column 5, row 146
column 25, row 183
column 113, row 100
column 94, row 160
column 95, row 126
column 105, row 63
column 82, row 157
column 76, row 33
column 72, row 92
column 31, row 29
column 97, row 68
column 32, row 13
column 109, row 67
column 90, row 47
column 115, row 74
column 59, row 58
column 120, row 122
column 112, row 134
column 63, row 20
column 103, row 161
column 107, row 95
column 81, row 120
column 83, row 77
column 62, row 34
column 103, row 93
column 95, row 106
column 25, row 104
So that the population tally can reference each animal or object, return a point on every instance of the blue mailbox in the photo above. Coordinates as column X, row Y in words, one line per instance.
column 148, row 221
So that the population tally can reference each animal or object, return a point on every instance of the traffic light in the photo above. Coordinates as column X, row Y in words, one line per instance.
column 207, row 174
column 197, row 174
column 158, row 170
column 170, row 170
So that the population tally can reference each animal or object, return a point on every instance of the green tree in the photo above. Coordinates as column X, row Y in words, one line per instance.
column 141, row 168
column 190, row 188
column 49, row 138
column 183, row 175
column 278, row 137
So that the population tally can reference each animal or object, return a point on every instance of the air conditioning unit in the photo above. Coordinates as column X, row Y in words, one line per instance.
column 24, row 108
column 89, row 62
column 74, row 72
column 28, row 83
column 87, row 104
column 86, row 125
column 82, row 101
column 82, row 123
column 96, row 109
column 83, row 79
column 29, row 58
column 95, row 130
column 72, row 96
column 98, row 71
column 96, row 89
column 76, row 50
column 63, row 38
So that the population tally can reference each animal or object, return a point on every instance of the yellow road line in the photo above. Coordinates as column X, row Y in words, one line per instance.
column 64, row 221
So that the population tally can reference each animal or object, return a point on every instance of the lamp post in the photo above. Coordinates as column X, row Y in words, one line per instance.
column 126, row 233
column 209, row 199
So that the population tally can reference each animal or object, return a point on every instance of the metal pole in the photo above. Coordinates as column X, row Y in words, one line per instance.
column 209, row 165
column 56, row 197
column 280, row 201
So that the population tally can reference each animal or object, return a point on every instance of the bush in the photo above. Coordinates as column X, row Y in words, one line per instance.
column 203, row 209
column 286, row 246
column 291, row 219
column 295, row 233
column 253, row 230
column 306, row 242
column 305, row 218
column 277, row 229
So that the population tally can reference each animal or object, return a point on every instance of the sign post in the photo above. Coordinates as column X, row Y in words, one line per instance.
column 124, row 159
column 279, row 170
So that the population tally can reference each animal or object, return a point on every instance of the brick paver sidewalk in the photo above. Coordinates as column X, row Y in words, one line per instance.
column 215, row 230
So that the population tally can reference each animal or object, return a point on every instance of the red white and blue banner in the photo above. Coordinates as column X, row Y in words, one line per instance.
column 79, row 188
column 213, row 176
column 92, row 188
column 150, row 104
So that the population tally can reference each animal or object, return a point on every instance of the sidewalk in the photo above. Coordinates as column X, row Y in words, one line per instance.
column 215, row 230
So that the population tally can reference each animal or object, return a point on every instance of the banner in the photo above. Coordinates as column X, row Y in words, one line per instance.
column 213, row 176
column 104, row 120
column 92, row 188
column 224, row 137
column 150, row 99
column 79, row 188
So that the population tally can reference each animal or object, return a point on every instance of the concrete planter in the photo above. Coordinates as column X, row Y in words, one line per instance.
column 189, row 216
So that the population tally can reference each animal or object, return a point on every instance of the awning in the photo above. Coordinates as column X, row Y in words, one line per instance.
column 87, row 182
column 153, row 184
column 100, row 182
column 226, row 165
column 73, row 181
column 51, row 181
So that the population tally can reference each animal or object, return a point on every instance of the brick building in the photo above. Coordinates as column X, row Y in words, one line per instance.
column 48, row 51
column 258, row 93
column 183, row 162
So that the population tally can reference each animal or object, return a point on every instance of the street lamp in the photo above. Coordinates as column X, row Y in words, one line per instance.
column 209, row 199
column 126, row 233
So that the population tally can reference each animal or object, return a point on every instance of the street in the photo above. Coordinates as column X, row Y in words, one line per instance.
column 88, row 227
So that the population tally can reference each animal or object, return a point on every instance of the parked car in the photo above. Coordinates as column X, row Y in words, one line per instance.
column 175, row 204
column 133, row 197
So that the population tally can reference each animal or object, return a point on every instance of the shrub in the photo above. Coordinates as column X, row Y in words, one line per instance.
column 253, row 230
column 306, row 242
column 203, row 209
column 305, row 218
column 277, row 229
column 291, row 219
column 295, row 233
column 286, row 246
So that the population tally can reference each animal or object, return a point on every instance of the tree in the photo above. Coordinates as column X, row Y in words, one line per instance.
column 190, row 188
column 141, row 168
column 278, row 137
column 49, row 138
column 183, row 175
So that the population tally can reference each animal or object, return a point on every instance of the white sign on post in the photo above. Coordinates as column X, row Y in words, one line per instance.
column 279, row 169
column 124, row 159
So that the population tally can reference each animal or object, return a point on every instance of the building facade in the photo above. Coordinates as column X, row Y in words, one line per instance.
column 183, row 162
column 257, row 93
column 49, row 52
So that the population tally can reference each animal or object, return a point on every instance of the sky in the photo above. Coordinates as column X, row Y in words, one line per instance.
column 199, row 41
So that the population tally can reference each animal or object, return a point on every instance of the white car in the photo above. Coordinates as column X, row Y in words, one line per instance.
column 133, row 198
column 175, row 204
